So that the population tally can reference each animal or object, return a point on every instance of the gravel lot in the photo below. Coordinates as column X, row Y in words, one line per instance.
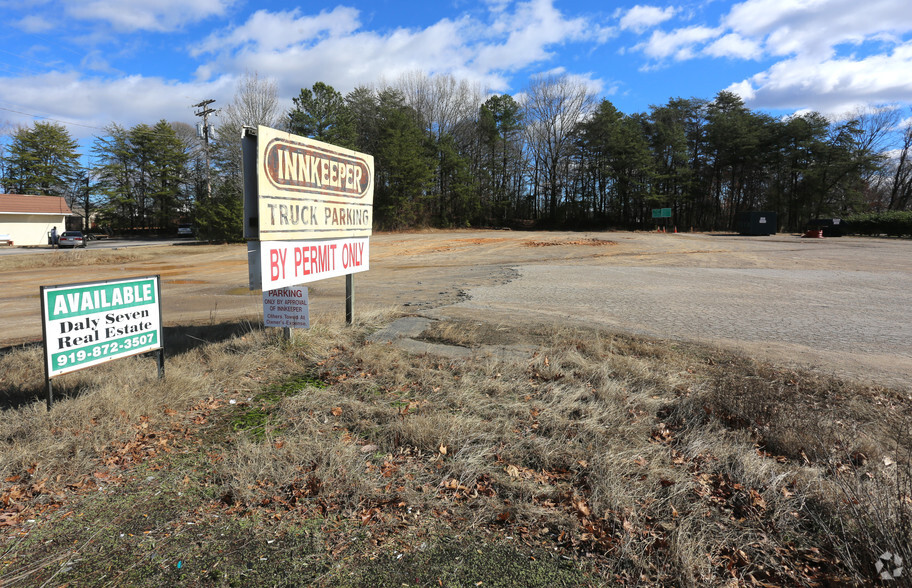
column 842, row 306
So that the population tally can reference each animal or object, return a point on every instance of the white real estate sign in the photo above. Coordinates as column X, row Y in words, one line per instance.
column 309, row 212
column 286, row 307
column 91, row 323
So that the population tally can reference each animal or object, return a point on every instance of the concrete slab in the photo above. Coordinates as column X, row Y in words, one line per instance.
column 406, row 327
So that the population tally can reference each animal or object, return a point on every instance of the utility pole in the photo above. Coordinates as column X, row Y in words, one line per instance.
column 204, row 135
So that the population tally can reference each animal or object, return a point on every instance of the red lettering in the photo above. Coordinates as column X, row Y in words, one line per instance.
column 324, row 258
column 352, row 255
column 298, row 259
column 277, row 264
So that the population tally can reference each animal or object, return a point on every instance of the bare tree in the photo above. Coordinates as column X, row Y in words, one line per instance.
column 441, row 101
column 876, row 125
column 255, row 103
column 901, row 188
column 196, row 178
column 553, row 107
column 890, row 180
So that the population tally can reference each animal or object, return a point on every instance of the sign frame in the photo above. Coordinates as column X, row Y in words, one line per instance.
column 300, row 190
column 89, row 311
column 297, row 188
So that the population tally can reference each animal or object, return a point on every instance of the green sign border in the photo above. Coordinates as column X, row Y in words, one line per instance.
column 109, row 350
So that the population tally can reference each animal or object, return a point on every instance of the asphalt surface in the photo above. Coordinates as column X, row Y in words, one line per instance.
column 96, row 244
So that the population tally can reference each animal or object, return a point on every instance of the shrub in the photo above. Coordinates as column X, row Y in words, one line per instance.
column 894, row 223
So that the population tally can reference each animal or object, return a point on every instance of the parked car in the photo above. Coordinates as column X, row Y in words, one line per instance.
column 71, row 239
column 184, row 230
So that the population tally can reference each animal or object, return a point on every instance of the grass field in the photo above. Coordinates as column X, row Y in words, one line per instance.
column 600, row 459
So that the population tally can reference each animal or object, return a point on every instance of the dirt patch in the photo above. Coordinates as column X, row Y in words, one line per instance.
column 584, row 242
column 487, row 241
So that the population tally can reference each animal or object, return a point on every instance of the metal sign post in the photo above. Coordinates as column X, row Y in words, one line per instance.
column 349, row 298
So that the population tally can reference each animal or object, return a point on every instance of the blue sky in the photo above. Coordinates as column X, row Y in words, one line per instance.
column 92, row 62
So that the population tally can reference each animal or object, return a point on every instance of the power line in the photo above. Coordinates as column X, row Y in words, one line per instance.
column 65, row 122
column 57, row 120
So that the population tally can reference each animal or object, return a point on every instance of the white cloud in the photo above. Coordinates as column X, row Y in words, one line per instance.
column 345, row 61
column 680, row 44
column 332, row 46
column 639, row 18
column 734, row 45
column 833, row 86
column 767, row 28
column 293, row 47
column 831, row 55
column 743, row 89
column 127, row 100
column 271, row 31
column 530, row 30
column 146, row 15
column 34, row 24
column 815, row 27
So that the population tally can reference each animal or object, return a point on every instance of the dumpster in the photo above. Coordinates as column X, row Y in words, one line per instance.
column 755, row 223
column 831, row 227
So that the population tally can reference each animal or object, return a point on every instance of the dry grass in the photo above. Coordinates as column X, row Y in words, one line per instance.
column 644, row 462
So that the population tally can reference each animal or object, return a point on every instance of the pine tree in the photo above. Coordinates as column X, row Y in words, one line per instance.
column 42, row 160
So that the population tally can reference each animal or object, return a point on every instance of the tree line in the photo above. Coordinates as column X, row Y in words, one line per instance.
column 447, row 155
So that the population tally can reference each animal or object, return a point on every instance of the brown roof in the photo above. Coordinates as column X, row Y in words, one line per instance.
column 19, row 203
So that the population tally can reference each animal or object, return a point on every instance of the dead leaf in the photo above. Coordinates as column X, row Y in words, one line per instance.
column 442, row 449
column 512, row 471
column 757, row 500
column 580, row 505
column 337, row 411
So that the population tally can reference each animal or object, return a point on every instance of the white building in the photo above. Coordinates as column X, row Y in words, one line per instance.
column 27, row 220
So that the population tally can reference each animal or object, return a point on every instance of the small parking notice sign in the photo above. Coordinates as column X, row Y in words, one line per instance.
column 286, row 307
